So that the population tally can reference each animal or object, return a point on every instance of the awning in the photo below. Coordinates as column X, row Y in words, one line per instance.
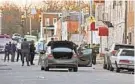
column 108, row 23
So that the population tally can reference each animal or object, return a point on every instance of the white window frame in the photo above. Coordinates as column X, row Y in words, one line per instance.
column 54, row 20
column 47, row 21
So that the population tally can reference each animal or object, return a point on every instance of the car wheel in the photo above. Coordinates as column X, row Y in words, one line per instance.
column 75, row 69
column 47, row 69
column 117, row 68
column 42, row 68
column 70, row 69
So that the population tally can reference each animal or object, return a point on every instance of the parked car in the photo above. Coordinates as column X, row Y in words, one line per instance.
column 123, row 59
column 3, row 40
column 112, row 51
column 85, row 57
column 60, row 55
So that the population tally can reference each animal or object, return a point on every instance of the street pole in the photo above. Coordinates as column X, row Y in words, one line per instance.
column 0, row 21
column 30, row 25
column 125, row 22
column 41, row 25
column 90, row 28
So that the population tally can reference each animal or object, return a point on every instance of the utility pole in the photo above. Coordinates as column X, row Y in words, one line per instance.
column 30, row 25
column 91, row 15
column 125, row 22
column 0, row 21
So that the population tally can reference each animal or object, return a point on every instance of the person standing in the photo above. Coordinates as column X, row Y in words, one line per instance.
column 25, row 48
column 32, row 52
column 19, row 53
column 13, row 50
column 41, row 49
column 6, row 52
column 10, row 48
column 94, row 54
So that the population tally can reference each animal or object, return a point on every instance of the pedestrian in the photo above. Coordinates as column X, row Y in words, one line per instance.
column 6, row 52
column 10, row 48
column 25, row 48
column 94, row 54
column 19, row 53
column 32, row 52
column 41, row 49
column 13, row 51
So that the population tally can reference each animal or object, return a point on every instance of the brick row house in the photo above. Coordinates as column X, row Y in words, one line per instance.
column 130, row 22
column 49, row 19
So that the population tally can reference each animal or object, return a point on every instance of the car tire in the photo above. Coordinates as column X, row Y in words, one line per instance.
column 75, row 69
column 42, row 68
column 47, row 69
column 70, row 69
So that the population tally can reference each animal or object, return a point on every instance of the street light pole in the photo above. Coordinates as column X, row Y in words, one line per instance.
column 30, row 25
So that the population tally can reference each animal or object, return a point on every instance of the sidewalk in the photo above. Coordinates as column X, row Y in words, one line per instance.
column 99, row 59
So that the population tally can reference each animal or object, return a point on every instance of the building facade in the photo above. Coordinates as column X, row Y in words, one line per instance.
column 130, row 21
column 49, row 20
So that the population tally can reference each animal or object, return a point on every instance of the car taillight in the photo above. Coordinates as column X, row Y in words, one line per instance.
column 113, row 52
column 50, row 56
column 124, row 61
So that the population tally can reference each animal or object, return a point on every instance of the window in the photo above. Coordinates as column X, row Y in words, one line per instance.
column 47, row 21
column 54, row 20
column 130, row 37
column 127, row 53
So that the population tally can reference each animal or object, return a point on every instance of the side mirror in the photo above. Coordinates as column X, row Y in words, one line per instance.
column 106, row 49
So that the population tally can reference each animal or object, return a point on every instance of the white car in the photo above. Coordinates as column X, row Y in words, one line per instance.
column 123, row 59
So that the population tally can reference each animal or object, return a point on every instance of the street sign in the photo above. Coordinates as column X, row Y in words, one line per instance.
column 33, row 11
column 91, row 19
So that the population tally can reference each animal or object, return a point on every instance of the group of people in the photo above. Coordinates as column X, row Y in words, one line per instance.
column 26, row 50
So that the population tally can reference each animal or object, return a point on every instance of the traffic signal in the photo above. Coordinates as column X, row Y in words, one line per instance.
column 22, row 18
column 40, row 17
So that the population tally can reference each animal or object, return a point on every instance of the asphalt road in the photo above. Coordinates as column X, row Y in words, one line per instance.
column 14, row 73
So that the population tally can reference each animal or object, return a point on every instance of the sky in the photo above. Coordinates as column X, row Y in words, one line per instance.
column 22, row 2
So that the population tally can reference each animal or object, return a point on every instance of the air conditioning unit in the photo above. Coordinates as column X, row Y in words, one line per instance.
column 60, row 15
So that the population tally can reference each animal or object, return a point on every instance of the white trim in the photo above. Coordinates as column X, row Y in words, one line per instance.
column 51, row 13
column 53, row 20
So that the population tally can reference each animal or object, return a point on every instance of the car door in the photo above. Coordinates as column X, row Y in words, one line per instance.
column 85, row 57
column 113, row 58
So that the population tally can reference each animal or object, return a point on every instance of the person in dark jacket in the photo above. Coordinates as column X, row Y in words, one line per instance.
column 25, row 48
column 13, row 50
column 6, row 52
column 94, row 54
column 32, row 52
column 9, row 48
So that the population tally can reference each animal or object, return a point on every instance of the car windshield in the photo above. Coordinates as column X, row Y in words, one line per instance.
column 127, row 53
column 117, row 47
column 61, row 49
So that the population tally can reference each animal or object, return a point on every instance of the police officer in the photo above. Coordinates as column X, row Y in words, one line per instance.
column 32, row 52
column 13, row 50
column 6, row 52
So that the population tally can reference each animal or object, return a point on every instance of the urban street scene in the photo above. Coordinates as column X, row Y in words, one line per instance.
column 67, row 41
